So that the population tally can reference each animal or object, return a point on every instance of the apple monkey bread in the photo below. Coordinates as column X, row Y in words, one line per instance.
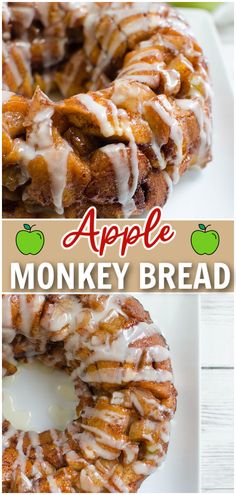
column 121, row 369
column 104, row 104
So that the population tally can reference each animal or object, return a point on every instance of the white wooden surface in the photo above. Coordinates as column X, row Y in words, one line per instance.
column 217, row 327
column 216, row 324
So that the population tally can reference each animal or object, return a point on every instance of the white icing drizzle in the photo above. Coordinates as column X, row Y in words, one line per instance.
column 89, row 31
column 118, row 155
column 106, row 52
column 198, row 83
column 149, row 73
column 107, row 415
column 43, row 12
column 8, row 435
column 196, row 106
column 119, row 376
column 144, row 468
column 21, row 458
column 120, row 484
column 120, row 350
column 149, row 406
column 186, row 62
column 65, row 313
column 92, row 448
column 134, row 151
column 40, row 463
column 34, row 438
column 8, row 334
column 121, row 125
column 88, row 478
column 54, row 488
column 10, row 61
column 55, row 437
column 57, row 165
column 165, row 433
column 147, row 50
column 113, row 38
column 164, row 109
column 17, row 57
column 101, row 113
column 70, row 72
column 137, row 404
column 130, row 453
column 29, row 307
column 41, row 130
column 106, row 438
column 23, row 15
column 25, row 482
column 115, row 43
column 130, row 20
column 131, row 23
column 24, row 52
column 8, row 356
column 6, row 311
column 168, row 182
column 72, row 456
column 6, row 13
column 6, row 96
column 40, row 143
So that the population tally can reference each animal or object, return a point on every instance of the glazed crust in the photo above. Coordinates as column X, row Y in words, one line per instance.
column 134, row 109
column 121, row 369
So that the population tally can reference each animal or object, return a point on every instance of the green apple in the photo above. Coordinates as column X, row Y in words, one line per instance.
column 205, row 241
column 28, row 241
column 198, row 5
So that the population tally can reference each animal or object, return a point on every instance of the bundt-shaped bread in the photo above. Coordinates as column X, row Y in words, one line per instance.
column 121, row 369
column 135, row 113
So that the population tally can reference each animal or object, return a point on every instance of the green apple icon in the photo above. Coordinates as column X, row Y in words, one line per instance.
column 205, row 241
column 29, row 241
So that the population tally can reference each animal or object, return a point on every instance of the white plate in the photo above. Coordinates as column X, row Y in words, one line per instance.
column 177, row 316
column 208, row 193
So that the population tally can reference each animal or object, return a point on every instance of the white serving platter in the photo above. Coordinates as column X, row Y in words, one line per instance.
column 208, row 193
column 43, row 398
column 178, row 317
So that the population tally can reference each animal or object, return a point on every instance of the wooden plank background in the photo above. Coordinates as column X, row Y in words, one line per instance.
column 217, row 327
column 217, row 392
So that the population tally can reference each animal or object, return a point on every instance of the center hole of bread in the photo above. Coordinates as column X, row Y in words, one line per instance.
column 38, row 398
